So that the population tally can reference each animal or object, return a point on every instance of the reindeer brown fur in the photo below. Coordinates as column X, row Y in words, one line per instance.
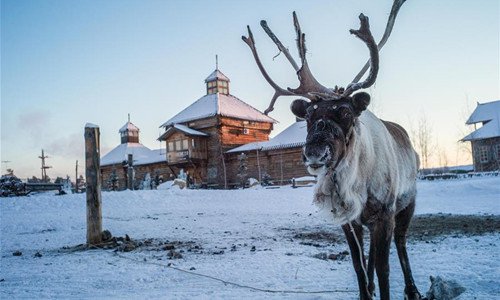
column 366, row 167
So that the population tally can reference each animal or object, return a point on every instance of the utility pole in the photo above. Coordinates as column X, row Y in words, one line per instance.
column 44, row 167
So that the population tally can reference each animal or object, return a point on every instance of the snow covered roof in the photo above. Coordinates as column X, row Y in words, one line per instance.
column 216, row 75
column 178, row 127
column 489, row 114
column 485, row 112
column 128, row 126
column 188, row 130
column 218, row 104
column 291, row 137
column 488, row 130
column 157, row 155
column 141, row 154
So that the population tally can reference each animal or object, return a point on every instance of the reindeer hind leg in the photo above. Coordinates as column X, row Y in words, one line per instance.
column 403, row 219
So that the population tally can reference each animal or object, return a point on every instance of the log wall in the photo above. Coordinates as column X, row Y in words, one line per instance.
column 278, row 164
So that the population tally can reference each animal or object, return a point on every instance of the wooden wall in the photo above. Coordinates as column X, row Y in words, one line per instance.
column 224, row 134
column 161, row 169
column 279, row 164
column 236, row 132
column 493, row 154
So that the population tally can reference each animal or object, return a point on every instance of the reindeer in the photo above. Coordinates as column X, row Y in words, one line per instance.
column 366, row 167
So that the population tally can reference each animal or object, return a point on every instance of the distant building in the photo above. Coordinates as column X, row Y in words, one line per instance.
column 114, row 167
column 485, row 140
column 198, row 137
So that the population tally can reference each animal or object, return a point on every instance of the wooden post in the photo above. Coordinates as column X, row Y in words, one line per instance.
column 130, row 172
column 92, row 173
column 258, row 165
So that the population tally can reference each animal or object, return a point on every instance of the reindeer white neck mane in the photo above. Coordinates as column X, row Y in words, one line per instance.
column 343, row 192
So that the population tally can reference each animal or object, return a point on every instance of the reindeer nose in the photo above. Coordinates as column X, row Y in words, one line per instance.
column 317, row 157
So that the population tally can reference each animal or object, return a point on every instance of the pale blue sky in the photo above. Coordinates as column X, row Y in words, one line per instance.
column 66, row 63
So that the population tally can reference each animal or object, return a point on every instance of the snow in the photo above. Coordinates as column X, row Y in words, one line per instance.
column 189, row 130
column 90, row 125
column 141, row 154
column 266, row 219
column 218, row 104
column 128, row 126
column 156, row 155
column 293, row 136
column 217, row 74
column 178, row 127
column 306, row 178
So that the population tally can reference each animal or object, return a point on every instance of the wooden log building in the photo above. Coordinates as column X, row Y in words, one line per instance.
column 114, row 165
column 485, row 140
column 198, row 137
column 204, row 141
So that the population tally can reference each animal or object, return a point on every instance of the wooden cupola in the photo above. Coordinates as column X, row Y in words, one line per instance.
column 217, row 82
column 129, row 133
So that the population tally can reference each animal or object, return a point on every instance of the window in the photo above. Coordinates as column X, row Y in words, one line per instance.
column 178, row 145
column 483, row 154
column 246, row 131
column 498, row 151
column 192, row 143
column 171, row 147
column 185, row 144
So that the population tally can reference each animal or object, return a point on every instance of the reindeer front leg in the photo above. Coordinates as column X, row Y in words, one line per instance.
column 356, row 253
column 382, row 236
column 371, row 265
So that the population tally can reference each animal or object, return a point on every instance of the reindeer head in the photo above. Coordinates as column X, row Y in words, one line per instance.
column 329, row 129
column 330, row 113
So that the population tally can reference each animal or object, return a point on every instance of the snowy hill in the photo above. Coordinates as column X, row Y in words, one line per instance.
column 270, row 239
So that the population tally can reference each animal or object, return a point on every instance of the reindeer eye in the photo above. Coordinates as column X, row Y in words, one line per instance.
column 345, row 113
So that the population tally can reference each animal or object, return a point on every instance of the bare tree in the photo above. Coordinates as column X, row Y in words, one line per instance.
column 464, row 148
column 421, row 137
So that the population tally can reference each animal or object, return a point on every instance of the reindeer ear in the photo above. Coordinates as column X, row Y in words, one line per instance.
column 299, row 108
column 360, row 102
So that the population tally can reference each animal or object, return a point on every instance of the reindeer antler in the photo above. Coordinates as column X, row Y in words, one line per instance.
column 278, row 91
column 309, row 87
column 364, row 34
column 388, row 30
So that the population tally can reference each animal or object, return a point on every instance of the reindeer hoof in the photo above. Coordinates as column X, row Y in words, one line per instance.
column 413, row 294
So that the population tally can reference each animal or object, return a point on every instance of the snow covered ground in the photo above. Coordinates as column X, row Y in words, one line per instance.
column 259, row 238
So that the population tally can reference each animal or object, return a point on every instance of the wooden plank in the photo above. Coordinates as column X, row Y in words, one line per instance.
column 92, row 174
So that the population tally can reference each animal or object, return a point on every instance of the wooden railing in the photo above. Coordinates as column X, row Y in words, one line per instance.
column 185, row 155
